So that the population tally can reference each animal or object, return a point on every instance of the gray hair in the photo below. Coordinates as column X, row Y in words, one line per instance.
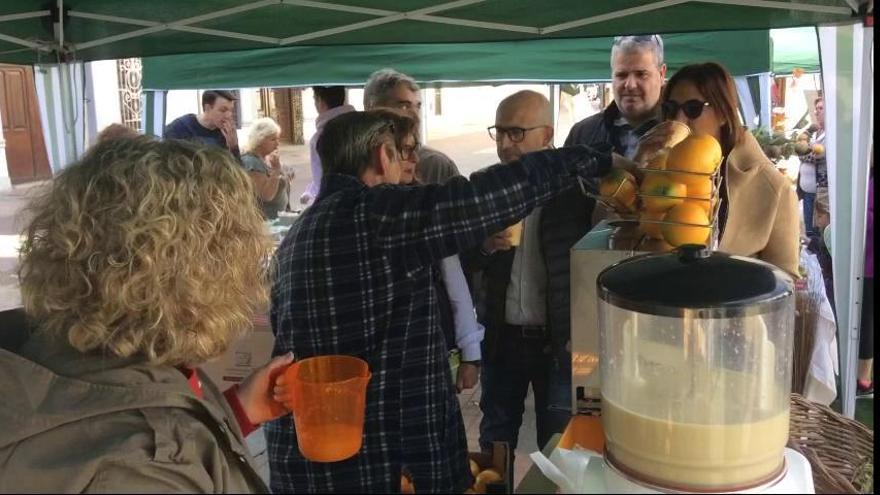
column 381, row 83
column 629, row 44
column 261, row 129
column 347, row 142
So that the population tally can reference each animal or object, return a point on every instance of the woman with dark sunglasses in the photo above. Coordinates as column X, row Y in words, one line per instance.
column 758, row 216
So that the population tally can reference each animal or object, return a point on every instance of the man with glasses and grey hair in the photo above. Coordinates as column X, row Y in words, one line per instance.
column 392, row 89
column 638, row 74
column 355, row 278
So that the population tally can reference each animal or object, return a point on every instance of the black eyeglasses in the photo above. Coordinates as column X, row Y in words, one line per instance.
column 408, row 152
column 516, row 134
column 691, row 108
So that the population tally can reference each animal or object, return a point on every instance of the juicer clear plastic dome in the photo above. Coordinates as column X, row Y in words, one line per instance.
column 695, row 377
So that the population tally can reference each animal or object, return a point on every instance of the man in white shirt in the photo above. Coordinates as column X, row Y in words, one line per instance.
column 330, row 103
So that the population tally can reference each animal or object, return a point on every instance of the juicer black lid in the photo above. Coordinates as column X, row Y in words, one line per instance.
column 693, row 280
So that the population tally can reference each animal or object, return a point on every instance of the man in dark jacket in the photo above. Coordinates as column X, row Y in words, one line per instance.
column 214, row 126
column 638, row 73
column 527, row 314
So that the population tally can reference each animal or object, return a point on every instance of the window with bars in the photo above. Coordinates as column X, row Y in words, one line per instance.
column 130, row 88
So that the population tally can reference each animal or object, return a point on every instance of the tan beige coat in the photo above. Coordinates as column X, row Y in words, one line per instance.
column 762, row 219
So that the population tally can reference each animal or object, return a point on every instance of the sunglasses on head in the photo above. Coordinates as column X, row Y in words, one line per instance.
column 691, row 108
column 653, row 38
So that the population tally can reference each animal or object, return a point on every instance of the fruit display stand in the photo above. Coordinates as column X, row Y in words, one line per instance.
column 675, row 202
column 678, row 218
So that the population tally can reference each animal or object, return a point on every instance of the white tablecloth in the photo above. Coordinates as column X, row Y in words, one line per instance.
column 820, row 385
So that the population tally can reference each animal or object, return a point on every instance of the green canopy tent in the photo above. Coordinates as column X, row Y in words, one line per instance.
column 747, row 54
column 551, row 61
column 796, row 48
column 66, row 32
column 34, row 31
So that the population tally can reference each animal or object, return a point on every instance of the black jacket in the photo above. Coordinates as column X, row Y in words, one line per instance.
column 564, row 220
column 598, row 130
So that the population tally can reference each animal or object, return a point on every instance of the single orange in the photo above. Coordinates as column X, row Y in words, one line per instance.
column 698, row 153
column 686, row 213
column 618, row 187
column 484, row 478
column 706, row 204
column 406, row 485
column 699, row 187
column 655, row 246
column 660, row 193
column 647, row 223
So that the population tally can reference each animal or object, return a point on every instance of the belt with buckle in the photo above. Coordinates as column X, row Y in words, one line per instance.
column 530, row 331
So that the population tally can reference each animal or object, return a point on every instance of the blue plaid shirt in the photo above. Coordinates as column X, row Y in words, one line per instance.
column 354, row 277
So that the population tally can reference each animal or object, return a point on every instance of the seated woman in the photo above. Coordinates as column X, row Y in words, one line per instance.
column 759, row 211
column 141, row 261
column 264, row 166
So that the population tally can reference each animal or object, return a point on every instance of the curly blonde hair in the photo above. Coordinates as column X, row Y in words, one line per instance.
column 146, row 248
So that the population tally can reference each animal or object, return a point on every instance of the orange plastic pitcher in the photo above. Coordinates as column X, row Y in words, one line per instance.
column 328, row 398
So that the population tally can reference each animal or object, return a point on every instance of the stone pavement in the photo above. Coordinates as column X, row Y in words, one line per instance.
column 12, row 203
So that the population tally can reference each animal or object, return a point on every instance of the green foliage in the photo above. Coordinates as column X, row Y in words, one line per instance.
column 776, row 145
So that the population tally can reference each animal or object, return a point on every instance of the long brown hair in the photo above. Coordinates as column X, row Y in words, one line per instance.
column 716, row 85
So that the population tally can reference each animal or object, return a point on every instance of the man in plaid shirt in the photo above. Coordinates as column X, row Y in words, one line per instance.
column 355, row 278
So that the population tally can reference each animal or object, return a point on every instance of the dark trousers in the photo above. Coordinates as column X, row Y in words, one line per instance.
column 809, row 199
column 523, row 358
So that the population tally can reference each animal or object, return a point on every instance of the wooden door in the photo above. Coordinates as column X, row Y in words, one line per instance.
column 25, row 149
column 289, row 114
column 283, row 114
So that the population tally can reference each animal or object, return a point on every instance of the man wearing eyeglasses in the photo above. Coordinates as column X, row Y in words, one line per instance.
column 637, row 73
column 391, row 89
column 526, row 290
column 355, row 277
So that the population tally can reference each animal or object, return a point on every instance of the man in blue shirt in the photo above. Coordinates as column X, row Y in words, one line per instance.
column 214, row 126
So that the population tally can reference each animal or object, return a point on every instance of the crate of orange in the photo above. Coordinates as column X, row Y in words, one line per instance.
column 492, row 472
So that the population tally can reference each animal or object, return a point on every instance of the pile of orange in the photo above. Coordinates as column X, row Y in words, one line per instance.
column 683, row 198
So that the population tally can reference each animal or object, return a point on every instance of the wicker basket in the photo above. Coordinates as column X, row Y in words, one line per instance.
column 838, row 448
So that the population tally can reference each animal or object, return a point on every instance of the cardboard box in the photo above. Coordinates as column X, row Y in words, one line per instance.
column 246, row 354
column 499, row 459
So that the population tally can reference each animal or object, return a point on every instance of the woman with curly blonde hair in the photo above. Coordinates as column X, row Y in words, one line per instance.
column 141, row 261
